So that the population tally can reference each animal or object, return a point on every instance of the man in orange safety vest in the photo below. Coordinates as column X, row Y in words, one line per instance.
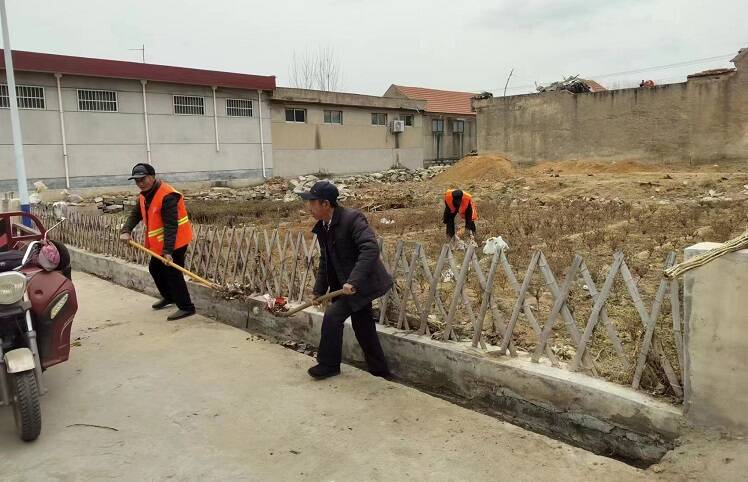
column 168, row 232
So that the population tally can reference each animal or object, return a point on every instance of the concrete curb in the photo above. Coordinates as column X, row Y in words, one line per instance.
column 597, row 415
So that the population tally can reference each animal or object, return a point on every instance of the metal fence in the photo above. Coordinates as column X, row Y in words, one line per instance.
column 573, row 323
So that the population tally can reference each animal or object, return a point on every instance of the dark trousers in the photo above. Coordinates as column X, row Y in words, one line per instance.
column 331, row 342
column 170, row 281
column 449, row 220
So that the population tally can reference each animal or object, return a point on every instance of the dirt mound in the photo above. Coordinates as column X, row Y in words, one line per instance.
column 477, row 168
column 586, row 167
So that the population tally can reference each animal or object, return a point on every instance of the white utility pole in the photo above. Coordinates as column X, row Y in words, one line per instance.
column 15, row 122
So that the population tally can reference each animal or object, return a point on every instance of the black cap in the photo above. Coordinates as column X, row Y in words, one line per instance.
column 141, row 170
column 321, row 190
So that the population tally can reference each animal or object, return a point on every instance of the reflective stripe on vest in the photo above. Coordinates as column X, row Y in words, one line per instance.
column 467, row 200
column 154, row 239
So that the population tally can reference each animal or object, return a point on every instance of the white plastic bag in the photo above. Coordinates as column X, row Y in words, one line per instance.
column 492, row 245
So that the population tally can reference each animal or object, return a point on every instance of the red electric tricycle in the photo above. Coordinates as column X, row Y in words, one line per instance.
column 37, row 306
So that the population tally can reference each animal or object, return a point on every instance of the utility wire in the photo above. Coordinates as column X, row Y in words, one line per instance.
column 684, row 63
column 662, row 67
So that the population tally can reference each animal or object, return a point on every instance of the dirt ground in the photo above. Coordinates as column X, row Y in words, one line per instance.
column 586, row 207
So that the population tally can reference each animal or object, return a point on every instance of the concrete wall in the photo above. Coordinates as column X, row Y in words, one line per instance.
column 103, row 146
column 351, row 147
column 702, row 120
column 451, row 145
column 716, row 311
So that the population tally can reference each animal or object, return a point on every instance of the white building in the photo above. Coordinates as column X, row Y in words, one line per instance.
column 87, row 121
column 341, row 133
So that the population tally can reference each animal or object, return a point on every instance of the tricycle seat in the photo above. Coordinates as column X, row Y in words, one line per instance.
column 10, row 260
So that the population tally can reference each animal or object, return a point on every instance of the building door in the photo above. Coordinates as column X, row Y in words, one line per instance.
column 437, row 130
column 458, row 134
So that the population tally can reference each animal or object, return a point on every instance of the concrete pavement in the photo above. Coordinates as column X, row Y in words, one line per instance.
column 198, row 400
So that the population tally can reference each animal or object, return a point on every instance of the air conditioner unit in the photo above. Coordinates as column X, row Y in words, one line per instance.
column 398, row 126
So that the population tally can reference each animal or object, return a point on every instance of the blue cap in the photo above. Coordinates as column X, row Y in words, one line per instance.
column 321, row 190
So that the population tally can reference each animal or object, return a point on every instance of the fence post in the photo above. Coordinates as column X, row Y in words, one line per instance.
column 716, row 341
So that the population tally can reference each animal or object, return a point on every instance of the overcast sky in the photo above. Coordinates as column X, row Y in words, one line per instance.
column 455, row 45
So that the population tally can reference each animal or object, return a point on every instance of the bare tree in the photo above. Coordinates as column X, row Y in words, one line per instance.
column 302, row 69
column 315, row 69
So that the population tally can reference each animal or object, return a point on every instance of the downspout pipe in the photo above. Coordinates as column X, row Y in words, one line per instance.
column 262, row 139
column 62, row 131
column 215, row 118
column 145, row 118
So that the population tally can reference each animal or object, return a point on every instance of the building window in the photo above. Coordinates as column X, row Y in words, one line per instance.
column 458, row 126
column 333, row 117
column 238, row 107
column 97, row 100
column 378, row 119
column 189, row 105
column 295, row 115
column 407, row 118
column 437, row 125
column 28, row 97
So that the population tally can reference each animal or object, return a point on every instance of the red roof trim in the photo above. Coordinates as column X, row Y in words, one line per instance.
column 441, row 101
column 63, row 64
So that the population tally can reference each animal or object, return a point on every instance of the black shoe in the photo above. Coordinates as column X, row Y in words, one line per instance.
column 179, row 314
column 386, row 375
column 161, row 304
column 320, row 372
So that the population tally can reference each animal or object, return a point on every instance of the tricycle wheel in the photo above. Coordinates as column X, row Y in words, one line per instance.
column 26, row 409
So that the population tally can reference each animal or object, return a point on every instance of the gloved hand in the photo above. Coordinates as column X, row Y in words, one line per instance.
column 125, row 237
column 471, row 239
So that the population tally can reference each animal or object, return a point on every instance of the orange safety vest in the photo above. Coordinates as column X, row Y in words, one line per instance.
column 467, row 200
column 154, row 239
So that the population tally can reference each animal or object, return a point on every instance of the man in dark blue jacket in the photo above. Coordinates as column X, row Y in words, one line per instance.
column 349, row 260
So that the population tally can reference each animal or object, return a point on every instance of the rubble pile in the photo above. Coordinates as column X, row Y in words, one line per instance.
column 114, row 204
column 287, row 190
column 392, row 175
column 571, row 84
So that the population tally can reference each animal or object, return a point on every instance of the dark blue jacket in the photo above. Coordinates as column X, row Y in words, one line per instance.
column 354, row 257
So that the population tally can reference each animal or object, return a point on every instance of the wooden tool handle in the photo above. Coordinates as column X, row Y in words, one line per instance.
column 325, row 297
column 192, row 275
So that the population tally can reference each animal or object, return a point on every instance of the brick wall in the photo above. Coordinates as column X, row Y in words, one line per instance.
column 699, row 121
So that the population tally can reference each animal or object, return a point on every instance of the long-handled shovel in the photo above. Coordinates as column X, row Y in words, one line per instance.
column 192, row 275
column 328, row 296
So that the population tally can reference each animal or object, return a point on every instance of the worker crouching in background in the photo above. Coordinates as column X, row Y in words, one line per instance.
column 459, row 202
